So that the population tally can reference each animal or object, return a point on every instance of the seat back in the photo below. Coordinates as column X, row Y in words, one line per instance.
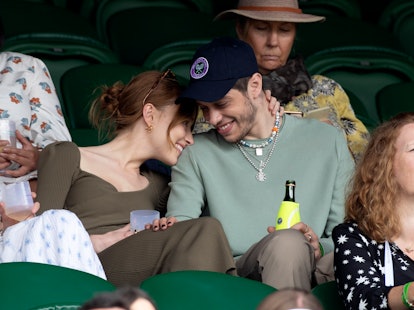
column 334, row 8
column 363, row 70
column 361, row 112
column 127, row 28
column 314, row 37
column 61, row 52
column 79, row 88
column 398, row 17
column 26, row 17
column 394, row 99
column 176, row 56
column 40, row 286
column 327, row 294
column 202, row 290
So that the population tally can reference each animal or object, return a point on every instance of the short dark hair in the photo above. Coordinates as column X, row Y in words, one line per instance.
column 122, row 298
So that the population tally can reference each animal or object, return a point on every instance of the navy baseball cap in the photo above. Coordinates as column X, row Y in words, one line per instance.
column 216, row 67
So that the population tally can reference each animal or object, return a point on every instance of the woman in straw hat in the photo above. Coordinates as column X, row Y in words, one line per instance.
column 269, row 26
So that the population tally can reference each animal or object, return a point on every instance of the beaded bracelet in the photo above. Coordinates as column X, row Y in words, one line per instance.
column 404, row 297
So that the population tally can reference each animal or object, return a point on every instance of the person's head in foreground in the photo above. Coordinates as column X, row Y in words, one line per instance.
column 146, row 108
column 290, row 299
column 269, row 26
column 126, row 298
column 383, row 184
column 226, row 84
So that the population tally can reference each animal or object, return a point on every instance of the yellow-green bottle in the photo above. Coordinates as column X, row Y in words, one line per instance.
column 288, row 214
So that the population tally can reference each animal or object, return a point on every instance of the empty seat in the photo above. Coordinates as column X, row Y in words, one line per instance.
column 363, row 70
column 394, row 99
column 341, row 31
column 398, row 17
column 40, row 286
column 347, row 8
column 128, row 27
column 327, row 294
column 205, row 290
column 25, row 17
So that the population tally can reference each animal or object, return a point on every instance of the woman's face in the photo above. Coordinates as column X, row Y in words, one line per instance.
column 271, row 42
column 403, row 165
column 180, row 135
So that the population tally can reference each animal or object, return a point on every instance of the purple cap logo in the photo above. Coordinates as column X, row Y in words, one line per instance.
column 199, row 68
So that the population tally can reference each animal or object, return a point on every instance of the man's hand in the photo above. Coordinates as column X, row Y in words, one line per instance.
column 309, row 235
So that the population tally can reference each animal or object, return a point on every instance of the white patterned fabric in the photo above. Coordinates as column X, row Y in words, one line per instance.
column 56, row 237
column 28, row 97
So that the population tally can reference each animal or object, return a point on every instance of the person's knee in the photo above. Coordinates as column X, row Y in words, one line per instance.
column 289, row 244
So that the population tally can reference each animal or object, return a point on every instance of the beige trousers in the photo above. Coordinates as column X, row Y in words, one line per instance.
column 285, row 259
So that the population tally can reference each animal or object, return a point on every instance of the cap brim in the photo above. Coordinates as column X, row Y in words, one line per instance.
column 271, row 16
column 206, row 91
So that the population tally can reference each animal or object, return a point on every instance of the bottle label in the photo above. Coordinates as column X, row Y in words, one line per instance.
column 288, row 215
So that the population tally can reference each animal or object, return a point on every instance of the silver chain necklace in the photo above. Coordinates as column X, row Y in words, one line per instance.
column 260, row 175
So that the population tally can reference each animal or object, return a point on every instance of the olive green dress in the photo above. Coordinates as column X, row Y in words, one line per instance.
column 198, row 244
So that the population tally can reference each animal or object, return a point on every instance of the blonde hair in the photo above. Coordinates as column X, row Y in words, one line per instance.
column 373, row 189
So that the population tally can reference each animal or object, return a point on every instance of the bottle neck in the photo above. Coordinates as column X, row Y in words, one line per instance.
column 290, row 193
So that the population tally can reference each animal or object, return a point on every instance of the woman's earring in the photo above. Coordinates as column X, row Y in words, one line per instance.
column 149, row 128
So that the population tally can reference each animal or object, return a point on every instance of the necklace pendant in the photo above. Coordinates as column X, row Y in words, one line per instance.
column 259, row 151
column 261, row 176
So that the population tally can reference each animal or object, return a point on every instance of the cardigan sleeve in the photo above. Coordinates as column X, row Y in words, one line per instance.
column 57, row 167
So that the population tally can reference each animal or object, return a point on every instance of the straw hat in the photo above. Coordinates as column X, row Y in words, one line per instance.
column 271, row 10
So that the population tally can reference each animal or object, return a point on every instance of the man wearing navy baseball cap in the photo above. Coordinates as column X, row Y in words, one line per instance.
column 237, row 171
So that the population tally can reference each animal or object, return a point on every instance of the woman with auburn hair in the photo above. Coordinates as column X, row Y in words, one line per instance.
column 374, row 247
column 100, row 185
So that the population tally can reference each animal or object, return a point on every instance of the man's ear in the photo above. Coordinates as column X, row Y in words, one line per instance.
column 254, row 86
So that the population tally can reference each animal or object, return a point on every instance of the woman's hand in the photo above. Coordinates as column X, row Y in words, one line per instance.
column 162, row 224
column 26, row 157
column 104, row 241
column 274, row 105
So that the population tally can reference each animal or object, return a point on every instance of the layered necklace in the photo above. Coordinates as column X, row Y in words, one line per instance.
column 260, row 175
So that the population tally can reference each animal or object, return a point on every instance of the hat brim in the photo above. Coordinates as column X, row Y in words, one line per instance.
column 206, row 91
column 271, row 16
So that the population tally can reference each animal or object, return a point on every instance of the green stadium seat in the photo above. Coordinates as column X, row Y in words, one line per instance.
column 27, row 285
column 394, row 99
column 347, row 8
column 398, row 17
column 204, row 290
column 363, row 70
column 127, row 27
column 328, row 295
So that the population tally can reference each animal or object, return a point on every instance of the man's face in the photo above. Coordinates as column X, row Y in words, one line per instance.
column 233, row 116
